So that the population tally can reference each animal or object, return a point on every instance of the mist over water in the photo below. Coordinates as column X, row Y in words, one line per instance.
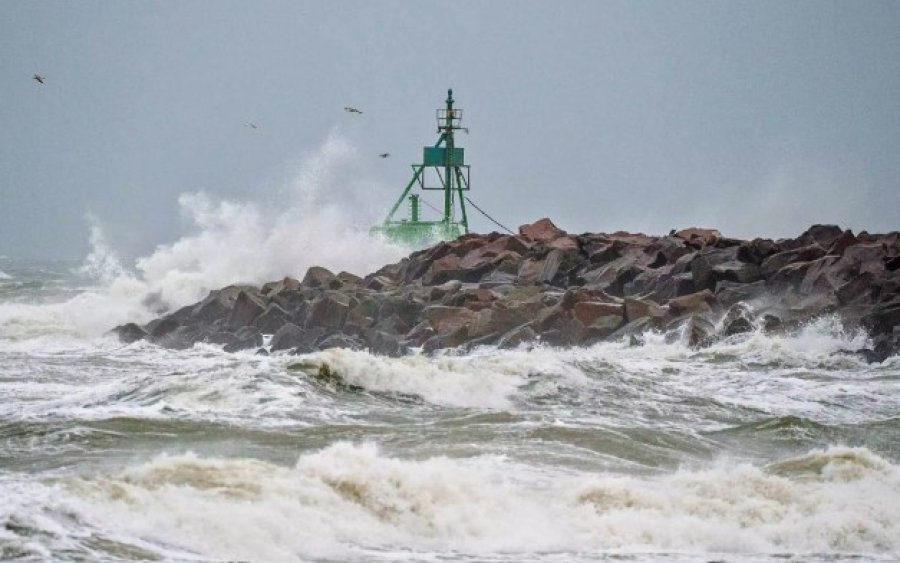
column 755, row 447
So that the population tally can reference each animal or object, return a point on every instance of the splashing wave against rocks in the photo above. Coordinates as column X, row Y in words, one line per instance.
column 550, row 287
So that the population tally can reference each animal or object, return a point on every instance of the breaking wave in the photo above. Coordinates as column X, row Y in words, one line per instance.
column 321, row 217
column 351, row 501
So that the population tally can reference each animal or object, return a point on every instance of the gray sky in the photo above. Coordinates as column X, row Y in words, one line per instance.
column 757, row 118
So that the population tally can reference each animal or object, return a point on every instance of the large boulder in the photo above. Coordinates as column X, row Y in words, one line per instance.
column 445, row 319
column 867, row 258
column 777, row 261
column 245, row 338
column 218, row 304
column 541, row 230
column 329, row 311
column 606, row 316
column 756, row 250
column 698, row 236
column 696, row 303
column 728, row 293
column 130, row 332
column 318, row 277
column 823, row 235
column 636, row 309
column 271, row 289
column 293, row 337
column 273, row 318
column 518, row 336
column 738, row 319
column 247, row 307
column 712, row 265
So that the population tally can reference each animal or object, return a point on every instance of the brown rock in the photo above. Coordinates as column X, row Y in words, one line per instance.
column 543, row 229
column 639, row 308
column 700, row 302
column 778, row 261
column 564, row 243
column 445, row 319
column 699, row 236
column 590, row 313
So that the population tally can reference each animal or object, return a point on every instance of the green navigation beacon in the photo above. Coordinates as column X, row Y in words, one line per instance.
column 452, row 174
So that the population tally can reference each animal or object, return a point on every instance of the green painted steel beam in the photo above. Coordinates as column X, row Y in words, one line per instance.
column 448, row 162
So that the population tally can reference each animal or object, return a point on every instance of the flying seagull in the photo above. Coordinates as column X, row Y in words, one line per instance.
column 251, row 125
column 352, row 110
column 39, row 78
column 384, row 154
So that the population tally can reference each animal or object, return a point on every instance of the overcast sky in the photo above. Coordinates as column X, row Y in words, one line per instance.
column 757, row 118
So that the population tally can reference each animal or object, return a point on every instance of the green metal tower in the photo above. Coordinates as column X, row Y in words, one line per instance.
column 447, row 162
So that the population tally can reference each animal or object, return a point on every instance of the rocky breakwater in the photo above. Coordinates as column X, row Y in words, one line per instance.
column 545, row 285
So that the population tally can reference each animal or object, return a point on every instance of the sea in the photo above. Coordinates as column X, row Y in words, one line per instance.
column 757, row 448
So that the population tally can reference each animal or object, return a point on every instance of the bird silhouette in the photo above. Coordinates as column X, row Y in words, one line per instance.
column 251, row 125
column 349, row 109
column 38, row 77
column 384, row 154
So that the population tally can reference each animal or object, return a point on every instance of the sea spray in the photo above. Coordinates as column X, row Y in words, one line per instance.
column 312, row 221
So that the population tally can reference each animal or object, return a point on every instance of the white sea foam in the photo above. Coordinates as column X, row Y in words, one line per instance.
column 321, row 217
column 4, row 276
column 482, row 380
column 350, row 497
column 621, row 384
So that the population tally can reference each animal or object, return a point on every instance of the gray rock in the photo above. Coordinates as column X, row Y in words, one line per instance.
column 245, row 338
column 291, row 336
column 247, row 306
column 329, row 311
column 517, row 336
column 273, row 318
column 318, row 277
column 776, row 262
column 130, row 332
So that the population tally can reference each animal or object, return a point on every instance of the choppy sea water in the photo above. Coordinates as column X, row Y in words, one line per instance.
column 756, row 449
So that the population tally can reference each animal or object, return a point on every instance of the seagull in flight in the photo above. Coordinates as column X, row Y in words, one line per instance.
column 384, row 154
column 251, row 125
column 349, row 109
column 38, row 77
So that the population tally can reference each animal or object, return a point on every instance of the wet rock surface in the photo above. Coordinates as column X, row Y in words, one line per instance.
column 546, row 285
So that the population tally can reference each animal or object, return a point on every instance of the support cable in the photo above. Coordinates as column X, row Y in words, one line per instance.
column 431, row 206
column 498, row 223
